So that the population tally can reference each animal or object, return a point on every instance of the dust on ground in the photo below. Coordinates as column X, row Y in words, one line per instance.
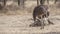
column 18, row 22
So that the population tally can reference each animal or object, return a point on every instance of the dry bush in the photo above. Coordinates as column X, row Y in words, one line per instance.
column 14, row 9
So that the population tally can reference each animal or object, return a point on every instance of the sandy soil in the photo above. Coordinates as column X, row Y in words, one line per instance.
column 19, row 24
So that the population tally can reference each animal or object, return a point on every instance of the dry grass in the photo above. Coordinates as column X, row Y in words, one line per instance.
column 17, row 21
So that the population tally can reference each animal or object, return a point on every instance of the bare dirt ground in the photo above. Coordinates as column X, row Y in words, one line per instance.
column 19, row 24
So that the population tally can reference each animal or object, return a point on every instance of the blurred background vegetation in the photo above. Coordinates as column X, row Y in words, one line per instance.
column 26, row 6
